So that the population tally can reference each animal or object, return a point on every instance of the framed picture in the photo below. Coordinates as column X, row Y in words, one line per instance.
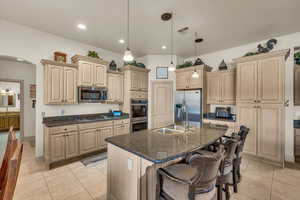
column 162, row 73
column 60, row 57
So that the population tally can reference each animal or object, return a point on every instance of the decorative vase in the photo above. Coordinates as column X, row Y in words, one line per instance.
column 223, row 65
column 113, row 65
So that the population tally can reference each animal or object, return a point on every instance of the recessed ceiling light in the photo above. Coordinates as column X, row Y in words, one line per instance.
column 121, row 41
column 81, row 26
column 20, row 59
column 164, row 47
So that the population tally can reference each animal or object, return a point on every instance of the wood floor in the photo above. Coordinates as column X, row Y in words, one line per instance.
column 77, row 182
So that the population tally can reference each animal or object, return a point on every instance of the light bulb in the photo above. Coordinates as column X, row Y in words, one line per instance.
column 128, row 56
column 195, row 74
column 172, row 67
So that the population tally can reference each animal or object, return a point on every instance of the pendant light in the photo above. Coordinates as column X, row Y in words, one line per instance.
column 128, row 57
column 195, row 73
column 172, row 67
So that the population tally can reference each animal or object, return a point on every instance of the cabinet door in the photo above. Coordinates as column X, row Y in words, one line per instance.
column 103, row 134
column 271, row 80
column 247, row 82
column 213, row 88
column 58, row 147
column 143, row 81
column 247, row 116
column 120, row 88
column 111, row 87
column 196, row 83
column 54, row 84
column 100, row 75
column 270, row 131
column 182, row 79
column 228, row 88
column 88, row 141
column 85, row 74
column 70, row 85
column 72, row 145
column 297, row 85
column 119, row 129
column 135, row 80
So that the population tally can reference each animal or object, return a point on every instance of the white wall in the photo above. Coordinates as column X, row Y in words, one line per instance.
column 284, row 42
column 14, row 88
column 27, row 73
column 151, row 62
column 33, row 45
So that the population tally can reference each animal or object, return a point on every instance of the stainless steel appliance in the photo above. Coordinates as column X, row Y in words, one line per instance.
column 91, row 94
column 139, row 115
column 188, row 107
column 223, row 112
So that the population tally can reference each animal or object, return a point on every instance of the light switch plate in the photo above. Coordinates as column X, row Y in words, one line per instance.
column 129, row 164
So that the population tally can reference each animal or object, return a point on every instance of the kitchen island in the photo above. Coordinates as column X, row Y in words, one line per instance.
column 133, row 159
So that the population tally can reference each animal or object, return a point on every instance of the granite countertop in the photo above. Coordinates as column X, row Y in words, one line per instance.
column 78, row 119
column 212, row 116
column 159, row 148
column 296, row 123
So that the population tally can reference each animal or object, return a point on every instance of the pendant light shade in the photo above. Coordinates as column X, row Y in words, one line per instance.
column 172, row 67
column 128, row 57
column 195, row 74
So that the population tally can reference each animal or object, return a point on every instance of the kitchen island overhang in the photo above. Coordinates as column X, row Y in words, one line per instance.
column 133, row 159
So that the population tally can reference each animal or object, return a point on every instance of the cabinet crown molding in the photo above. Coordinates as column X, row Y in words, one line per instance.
column 203, row 67
column 77, row 58
column 52, row 62
column 131, row 67
column 285, row 53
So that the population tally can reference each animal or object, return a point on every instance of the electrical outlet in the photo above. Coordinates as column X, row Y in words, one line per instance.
column 129, row 164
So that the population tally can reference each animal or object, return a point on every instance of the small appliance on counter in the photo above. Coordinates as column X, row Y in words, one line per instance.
column 223, row 112
column 91, row 95
column 116, row 113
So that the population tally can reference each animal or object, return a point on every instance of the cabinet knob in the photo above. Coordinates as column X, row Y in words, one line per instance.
column 65, row 129
column 255, row 101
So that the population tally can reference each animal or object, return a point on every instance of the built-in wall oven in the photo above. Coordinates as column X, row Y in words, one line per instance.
column 139, row 115
column 91, row 94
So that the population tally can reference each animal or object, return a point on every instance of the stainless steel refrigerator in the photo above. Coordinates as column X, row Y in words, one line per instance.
column 192, row 100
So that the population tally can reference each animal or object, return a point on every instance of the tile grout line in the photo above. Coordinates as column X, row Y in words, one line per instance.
column 52, row 198
column 81, row 183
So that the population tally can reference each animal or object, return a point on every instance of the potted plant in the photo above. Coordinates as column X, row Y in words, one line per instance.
column 93, row 54
column 297, row 58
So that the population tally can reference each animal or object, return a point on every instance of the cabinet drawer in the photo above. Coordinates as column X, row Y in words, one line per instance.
column 139, row 95
column 61, row 129
column 95, row 125
column 121, row 121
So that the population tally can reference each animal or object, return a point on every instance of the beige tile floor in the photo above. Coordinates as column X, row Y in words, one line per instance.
column 77, row 182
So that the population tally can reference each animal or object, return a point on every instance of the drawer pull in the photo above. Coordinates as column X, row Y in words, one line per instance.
column 65, row 129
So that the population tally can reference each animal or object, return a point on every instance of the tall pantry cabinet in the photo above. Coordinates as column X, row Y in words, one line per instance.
column 261, row 103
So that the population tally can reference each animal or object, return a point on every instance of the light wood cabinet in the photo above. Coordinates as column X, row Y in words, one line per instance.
column 261, row 107
column 60, row 83
column 184, row 79
column 8, row 119
column 297, row 85
column 139, row 80
column 270, row 131
column 221, row 87
column 58, row 147
column 115, row 83
column 88, row 140
column 261, row 80
column 72, row 144
column 92, row 72
column 104, row 133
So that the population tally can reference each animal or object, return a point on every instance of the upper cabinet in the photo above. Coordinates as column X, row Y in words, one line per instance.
column 221, row 87
column 60, row 82
column 115, row 87
column 136, row 78
column 260, row 79
column 185, row 81
column 91, row 71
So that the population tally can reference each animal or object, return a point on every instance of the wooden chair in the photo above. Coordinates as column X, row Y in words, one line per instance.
column 10, row 167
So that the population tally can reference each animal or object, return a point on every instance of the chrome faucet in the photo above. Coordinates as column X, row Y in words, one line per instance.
column 186, row 122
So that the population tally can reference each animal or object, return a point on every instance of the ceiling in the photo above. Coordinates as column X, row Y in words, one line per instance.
column 222, row 23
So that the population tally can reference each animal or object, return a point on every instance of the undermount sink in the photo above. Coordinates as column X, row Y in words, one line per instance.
column 174, row 130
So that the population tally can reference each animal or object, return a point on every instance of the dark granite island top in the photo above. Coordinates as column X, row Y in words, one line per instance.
column 159, row 148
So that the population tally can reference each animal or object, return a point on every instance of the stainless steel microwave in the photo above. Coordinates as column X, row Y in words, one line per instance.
column 91, row 94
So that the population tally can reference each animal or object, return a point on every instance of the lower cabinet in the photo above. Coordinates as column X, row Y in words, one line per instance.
column 122, row 129
column 63, row 146
column 266, row 123
column 104, row 133
column 88, row 141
